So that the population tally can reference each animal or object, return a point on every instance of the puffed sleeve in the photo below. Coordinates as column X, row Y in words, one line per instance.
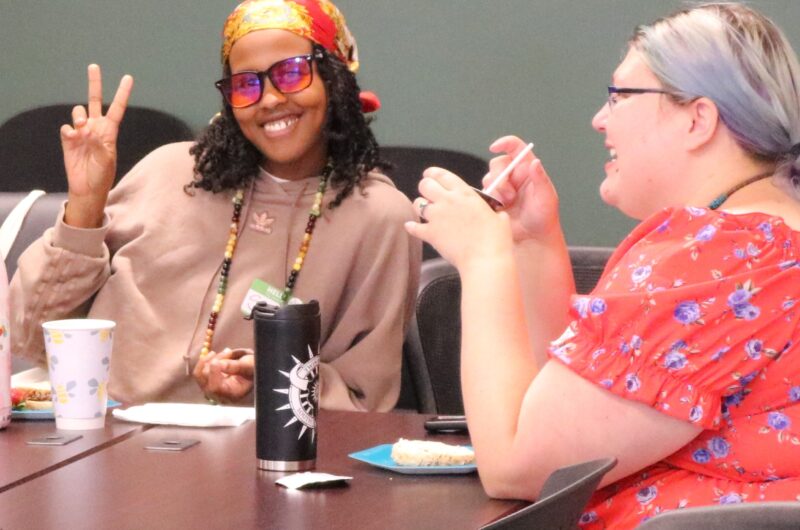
column 59, row 274
column 691, row 307
column 56, row 277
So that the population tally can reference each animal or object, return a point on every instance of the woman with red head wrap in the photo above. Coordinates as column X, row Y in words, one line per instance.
column 280, row 199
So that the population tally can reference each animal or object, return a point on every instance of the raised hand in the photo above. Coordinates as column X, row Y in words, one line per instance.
column 90, row 151
column 529, row 195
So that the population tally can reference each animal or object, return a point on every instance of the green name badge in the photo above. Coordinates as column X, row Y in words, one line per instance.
column 261, row 291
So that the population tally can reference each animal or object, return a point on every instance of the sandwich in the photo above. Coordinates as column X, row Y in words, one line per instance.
column 32, row 396
column 427, row 453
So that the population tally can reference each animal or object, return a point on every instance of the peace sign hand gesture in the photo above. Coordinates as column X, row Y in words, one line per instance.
column 90, row 151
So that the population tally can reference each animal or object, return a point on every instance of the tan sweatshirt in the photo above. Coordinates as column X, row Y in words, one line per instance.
column 154, row 266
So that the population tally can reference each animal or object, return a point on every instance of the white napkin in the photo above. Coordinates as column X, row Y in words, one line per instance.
column 187, row 414
column 312, row 480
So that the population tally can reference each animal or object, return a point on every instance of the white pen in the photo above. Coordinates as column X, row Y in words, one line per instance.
column 507, row 171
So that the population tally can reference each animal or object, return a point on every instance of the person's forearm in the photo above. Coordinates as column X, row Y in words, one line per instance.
column 545, row 275
column 85, row 212
column 496, row 364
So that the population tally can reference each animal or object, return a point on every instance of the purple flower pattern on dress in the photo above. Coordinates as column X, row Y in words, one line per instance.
column 708, row 304
column 632, row 382
column 730, row 498
column 640, row 274
column 748, row 312
column 739, row 297
column 581, row 305
column 740, row 301
column 734, row 399
column 696, row 414
column 767, row 229
column 706, row 233
column 674, row 361
column 720, row 353
column 598, row 306
column 719, row 447
column 646, row 495
column 701, row 456
column 687, row 312
column 779, row 421
column 753, row 348
column 744, row 381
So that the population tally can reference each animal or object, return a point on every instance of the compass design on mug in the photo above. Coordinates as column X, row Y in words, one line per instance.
column 303, row 393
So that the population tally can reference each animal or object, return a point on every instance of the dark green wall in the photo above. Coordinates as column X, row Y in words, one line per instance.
column 451, row 73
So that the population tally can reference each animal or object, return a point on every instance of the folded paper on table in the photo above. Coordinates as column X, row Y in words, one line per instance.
column 312, row 480
column 187, row 414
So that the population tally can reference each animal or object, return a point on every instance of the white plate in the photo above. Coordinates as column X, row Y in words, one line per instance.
column 381, row 456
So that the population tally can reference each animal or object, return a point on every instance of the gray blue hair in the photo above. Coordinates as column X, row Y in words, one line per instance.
column 743, row 62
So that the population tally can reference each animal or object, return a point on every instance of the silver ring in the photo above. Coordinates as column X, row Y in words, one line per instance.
column 422, row 205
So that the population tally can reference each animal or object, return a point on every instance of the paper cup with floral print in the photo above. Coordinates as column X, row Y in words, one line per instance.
column 79, row 359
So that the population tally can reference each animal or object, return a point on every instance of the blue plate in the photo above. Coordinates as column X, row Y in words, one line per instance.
column 46, row 414
column 381, row 456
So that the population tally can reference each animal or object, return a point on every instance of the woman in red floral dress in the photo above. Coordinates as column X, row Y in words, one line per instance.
column 683, row 363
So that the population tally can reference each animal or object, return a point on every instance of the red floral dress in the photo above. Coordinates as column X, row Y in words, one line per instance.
column 697, row 315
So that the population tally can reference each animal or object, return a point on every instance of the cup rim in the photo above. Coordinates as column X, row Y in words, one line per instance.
column 78, row 324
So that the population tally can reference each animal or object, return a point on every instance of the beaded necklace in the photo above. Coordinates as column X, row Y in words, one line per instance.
column 720, row 200
column 230, row 247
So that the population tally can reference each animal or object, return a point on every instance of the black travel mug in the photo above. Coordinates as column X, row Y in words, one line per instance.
column 286, row 385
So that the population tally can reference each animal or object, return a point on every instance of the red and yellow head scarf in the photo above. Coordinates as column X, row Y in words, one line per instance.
column 316, row 20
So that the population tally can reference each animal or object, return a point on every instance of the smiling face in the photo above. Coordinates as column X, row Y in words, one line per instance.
column 286, row 128
column 643, row 135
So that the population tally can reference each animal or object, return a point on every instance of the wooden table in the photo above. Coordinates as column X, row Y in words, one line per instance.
column 20, row 462
column 216, row 485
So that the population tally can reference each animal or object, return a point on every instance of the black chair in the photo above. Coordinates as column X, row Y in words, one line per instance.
column 30, row 144
column 588, row 264
column 562, row 500
column 430, row 381
column 409, row 163
column 745, row 516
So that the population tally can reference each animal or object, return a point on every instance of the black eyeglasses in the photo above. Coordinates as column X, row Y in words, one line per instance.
column 288, row 76
column 613, row 91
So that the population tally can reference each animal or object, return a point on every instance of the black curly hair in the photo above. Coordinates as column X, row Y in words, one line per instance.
column 225, row 159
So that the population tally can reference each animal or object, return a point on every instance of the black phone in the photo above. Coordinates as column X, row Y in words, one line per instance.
column 446, row 424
